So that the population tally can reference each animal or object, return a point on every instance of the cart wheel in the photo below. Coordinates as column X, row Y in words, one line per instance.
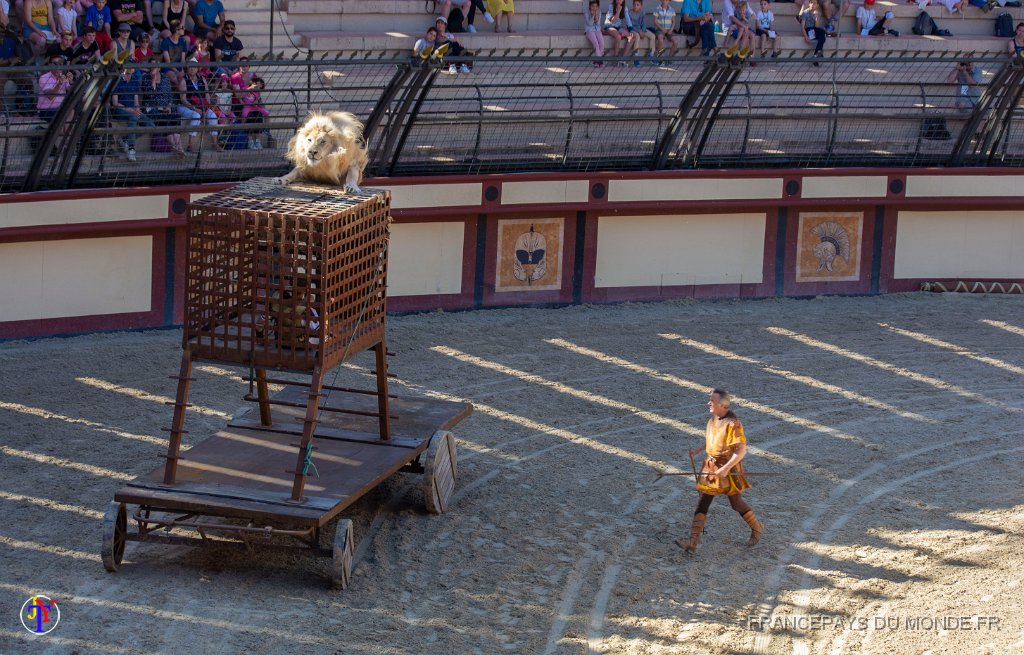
column 115, row 536
column 341, row 567
column 439, row 472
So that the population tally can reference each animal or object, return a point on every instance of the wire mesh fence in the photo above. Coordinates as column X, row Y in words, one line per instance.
column 514, row 112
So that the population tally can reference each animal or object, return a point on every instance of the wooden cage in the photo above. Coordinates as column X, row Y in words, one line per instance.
column 286, row 277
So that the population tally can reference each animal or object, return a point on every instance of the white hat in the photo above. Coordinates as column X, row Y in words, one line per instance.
column 442, row 19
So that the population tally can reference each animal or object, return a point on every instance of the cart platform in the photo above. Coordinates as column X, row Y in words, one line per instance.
column 242, row 473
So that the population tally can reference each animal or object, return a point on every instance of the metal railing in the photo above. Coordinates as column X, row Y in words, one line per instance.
column 520, row 112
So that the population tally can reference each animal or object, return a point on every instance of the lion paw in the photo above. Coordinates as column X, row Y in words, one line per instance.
column 353, row 189
column 279, row 181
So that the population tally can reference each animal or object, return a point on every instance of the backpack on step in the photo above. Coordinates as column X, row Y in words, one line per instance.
column 455, row 21
column 924, row 24
column 1004, row 25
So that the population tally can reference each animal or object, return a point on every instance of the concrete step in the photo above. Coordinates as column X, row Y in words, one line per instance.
column 411, row 17
column 561, row 40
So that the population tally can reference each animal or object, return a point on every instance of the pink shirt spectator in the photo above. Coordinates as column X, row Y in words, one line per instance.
column 48, row 82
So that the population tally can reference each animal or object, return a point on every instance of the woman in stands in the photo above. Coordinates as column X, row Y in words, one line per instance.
column 195, row 105
column 173, row 10
column 499, row 8
column 39, row 24
column 174, row 49
column 592, row 22
column 617, row 25
column 1016, row 45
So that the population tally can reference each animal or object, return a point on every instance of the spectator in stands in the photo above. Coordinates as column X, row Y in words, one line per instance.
column 194, row 105
column 953, row 6
column 253, row 110
column 67, row 19
column 63, row 47
column 616, row 25
column 144, row 49
column 738, row 20
column 470, row 14
column 868, row 24
column 665, row 31
column 5, row 10
column 173, row 10
column 39, row 24
column 837, row 9
column 53, row 86
column 174, row 49
column 455, row 48
column 125, row 106
column 642, row 35
column 1016, row 45
column 499, row 8
column 967, row 91
column 813, row 16
column 697, row 14
column 424, row 47
column 201, row 53
column 130, row 13
column 88, row 50
column 158, row 103
column 766, row 30
column 123, row 42
column 208, row 16
column 592, row 22
column 98, row 17
column 227, row 47
column 15, row 52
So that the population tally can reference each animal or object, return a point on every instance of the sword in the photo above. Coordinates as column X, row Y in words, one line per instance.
column 695, row 474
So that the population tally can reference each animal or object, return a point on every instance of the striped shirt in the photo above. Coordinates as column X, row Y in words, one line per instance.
column 663, row 18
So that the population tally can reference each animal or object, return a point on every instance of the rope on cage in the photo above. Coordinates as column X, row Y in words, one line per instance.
column 352, row 337
column 308, row 461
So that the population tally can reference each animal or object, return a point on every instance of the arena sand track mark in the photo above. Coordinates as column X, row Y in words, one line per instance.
column 761, row 641
column 894, row 484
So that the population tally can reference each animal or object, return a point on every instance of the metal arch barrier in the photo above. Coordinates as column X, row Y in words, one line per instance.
column 996, row 104
column 685, row 138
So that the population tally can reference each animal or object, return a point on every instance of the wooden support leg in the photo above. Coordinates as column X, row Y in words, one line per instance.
column 264, row 396
column 178, row 421
column 309, row 427
column 382, row 390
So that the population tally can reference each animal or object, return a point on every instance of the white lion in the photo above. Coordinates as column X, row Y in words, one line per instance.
column 326, row 149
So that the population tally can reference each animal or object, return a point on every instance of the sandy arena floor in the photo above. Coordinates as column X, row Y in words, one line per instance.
column 897, row 527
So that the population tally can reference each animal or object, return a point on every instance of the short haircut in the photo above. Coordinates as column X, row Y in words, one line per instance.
column 228, row 22
column 174, row 25
column 723, row 397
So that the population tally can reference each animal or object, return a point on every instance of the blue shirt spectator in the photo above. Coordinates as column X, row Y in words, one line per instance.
column 127, row 90
column 98, row 18
column 208, row 15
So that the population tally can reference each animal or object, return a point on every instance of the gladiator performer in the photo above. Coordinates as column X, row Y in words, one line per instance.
column 723, row 472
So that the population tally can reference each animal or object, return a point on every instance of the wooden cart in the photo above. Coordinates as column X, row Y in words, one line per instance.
column 286, row 278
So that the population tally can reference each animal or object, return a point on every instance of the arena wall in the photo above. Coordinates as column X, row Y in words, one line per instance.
column 75, row 261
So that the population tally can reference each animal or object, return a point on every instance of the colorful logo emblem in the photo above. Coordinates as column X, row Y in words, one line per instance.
column 40, row 614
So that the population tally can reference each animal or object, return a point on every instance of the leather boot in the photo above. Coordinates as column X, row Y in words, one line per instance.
column 755, row 527
column 695, row 531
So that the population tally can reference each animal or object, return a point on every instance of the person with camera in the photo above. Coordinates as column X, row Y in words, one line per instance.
column 53, row 86
column 964, row 76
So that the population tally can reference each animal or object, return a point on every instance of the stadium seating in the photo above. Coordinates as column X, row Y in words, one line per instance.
column 375, row 25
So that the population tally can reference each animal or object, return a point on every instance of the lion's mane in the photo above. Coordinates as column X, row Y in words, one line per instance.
column 342, row 132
